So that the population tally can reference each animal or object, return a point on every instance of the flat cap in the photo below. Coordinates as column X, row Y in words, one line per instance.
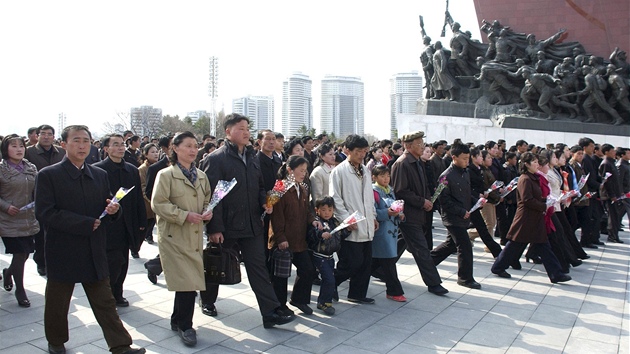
column 407, row 138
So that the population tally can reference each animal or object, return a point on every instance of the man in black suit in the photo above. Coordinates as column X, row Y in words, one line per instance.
column 69, row 197
column 611, row 191
column 127, row 232
column 269, row 165
column 593, row 182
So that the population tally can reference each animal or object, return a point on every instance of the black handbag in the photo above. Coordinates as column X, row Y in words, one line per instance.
column 221, row 265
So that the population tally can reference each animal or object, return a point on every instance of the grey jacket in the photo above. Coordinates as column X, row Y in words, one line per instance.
column 17, row 189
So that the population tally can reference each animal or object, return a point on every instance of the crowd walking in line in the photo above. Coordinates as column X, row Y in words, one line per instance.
column 350, row 210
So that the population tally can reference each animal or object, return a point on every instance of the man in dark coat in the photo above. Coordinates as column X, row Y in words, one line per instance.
column 236, row 220
column 69, row 197
column 611, row 191
column 43, row 154
column 590, row 166
column 127, row 232
column 410, row 184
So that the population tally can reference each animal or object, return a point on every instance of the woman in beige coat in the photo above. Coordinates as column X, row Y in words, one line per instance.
column 180, row 195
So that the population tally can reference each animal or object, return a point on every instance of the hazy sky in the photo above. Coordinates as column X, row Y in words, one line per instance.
column 90, row 60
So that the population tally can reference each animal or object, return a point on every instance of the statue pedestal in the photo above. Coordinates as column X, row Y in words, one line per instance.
column 562, row 125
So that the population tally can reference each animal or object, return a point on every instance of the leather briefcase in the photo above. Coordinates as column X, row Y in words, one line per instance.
column 221, row 265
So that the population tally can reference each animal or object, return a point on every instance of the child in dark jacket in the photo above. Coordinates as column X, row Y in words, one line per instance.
column 323, row 245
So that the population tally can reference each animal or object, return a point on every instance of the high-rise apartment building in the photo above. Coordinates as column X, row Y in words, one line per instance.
column 342, row 109
column 259, row 109
column 405, row 90
column 146, row 120
column 196, row 115
column 297, row 104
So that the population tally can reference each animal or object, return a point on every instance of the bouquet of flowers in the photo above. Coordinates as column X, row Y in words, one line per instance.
column 480, row 203
column 350, row 220
column 588, row 195
column 496, row 185
column 220, row 191
column 623, row 196
column 582, row 181
column 398, row 206
column 439, row 189
column 568, row 195
column 122, row 192
column 551, row 200
column 510, row 187
column 274, row 195
column 28, row 206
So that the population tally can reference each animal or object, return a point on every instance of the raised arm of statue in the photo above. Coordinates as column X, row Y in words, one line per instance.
column 613, row 55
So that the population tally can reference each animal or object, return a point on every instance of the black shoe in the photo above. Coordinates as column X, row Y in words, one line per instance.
column 365, row 300
column 469, row 284
column 437, row 289
column 8, row 280
column 152, row 277
column 41, row 271
column 135, row 351
column 189, row 337
column 149, row 241
column 598, row 243
column 516, row 265
column 576, row 263
column 122, row 302
column 277, row 319
column 135, row 255
column 503, row 274
column 586, row 256
column 56, row 349
column 590, row 245
column 303, row 307
column 209, row 310
column 560, row 278
column 285, row 311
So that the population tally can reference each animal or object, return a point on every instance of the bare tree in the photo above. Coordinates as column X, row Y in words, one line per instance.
column 120, row 122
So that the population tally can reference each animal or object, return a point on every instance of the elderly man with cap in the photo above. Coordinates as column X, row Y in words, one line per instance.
column 410, row 184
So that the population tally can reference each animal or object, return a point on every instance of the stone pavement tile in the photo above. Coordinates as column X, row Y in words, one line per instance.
column 345, row 349
column 600, row 312
column 431, row 303
column 88, row 349
column 404, row 348
column 407, row 318
column 147, row 335
column 319, row 339
column 478, row 300
column 596, row 331
column 21, row 334
column 79, row 336
column 24, row 348
column 259, row 339
column 281, row 349
column 355, row 319
column 379, row 338
column 141, row 317
column 239, row 322
column 458, row 317
column 436, row 336
column 553, row 314
column 523, row 300
column 492, row 335
column 10, row 320
column 156, row 349
column 229, row 306
column 206, row 338
column 549, row 334
column 579, row 345
column 510, row 316
column 564, row 299
column 533, row 283
column 520, row 346
column 462, row 347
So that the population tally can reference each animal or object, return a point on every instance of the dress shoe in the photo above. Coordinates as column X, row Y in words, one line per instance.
column 437, row 289
column 23, row 303
column 189, row 337
column 135, row 255
column 41, row 271
column 590, row 245
column 560, row 278
column 303, row 307
column 397, row 298
column 503, row 274
column 586, row 256
column 8, row 280
column 614, row 240
column 276, row 319
column 535, row 260
column 56, row 349
column 135, row 351
column 285, row 311
column 152, row 277
column 576, row 263
column 516, row 265
column 122, row 302
column 327, row 308
column 469, row 284
column 599, row 243
column 365, row 300
column 209, row 310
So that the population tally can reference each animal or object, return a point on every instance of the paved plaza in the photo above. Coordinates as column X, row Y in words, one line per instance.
column 524, row 314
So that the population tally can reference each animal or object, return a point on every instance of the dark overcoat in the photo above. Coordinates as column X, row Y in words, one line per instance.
column 125, row 231
column 68, row 200
column 529, row 221
column 269, row 168
column 290, row 219
column 410, row 184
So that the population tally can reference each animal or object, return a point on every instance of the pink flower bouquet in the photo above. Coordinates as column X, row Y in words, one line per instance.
column 220, row 191
column 350, row 220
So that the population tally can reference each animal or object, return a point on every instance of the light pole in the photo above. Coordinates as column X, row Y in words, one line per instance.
column 213, row 92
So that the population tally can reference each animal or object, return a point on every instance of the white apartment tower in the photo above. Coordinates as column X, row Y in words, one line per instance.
column 259, row 110
column 145, row 120
column 196, row 115
column 405, row 90
column 342, row 110
column 297, row 104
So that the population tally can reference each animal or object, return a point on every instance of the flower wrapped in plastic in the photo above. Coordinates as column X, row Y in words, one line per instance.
column 120, row 194
column 278, row 190
column 568, row 195
column 496, row 185
column 398, row 206
column 606, row 176
column 624, row 196
column 350, row 220
column 510, row 187
column 588, row 195
column 582, row 181
column 28, row 206
column 220, row 191
column 439, row 189
column 551, row 200
column 480, row 203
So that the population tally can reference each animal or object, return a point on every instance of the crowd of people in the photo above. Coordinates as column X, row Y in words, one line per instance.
column 64, row 203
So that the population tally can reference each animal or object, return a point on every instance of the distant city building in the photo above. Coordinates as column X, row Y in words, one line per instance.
column 145, row 120
column 405, row 90
column 61, row 123
column 195, row 116
column 259, row 109
column 342, row 109
column 297, row 104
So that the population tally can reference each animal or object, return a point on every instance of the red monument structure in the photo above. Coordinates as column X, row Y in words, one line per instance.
column 600, row 25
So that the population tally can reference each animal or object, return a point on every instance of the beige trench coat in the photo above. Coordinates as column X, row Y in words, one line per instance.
column 180, row 242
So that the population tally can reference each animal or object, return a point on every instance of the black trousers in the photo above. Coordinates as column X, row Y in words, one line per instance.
column 417, row 246
column 613, row 218
column 428, row 228
column 513, row 250
column 58, row 296
column 38, row 255
column 569, row 235
column 390, row 275
column 118, row 263
column 150, row 225
column 503, row 222
column 511, row 213
column 303, row 280
column 183, row 309
column 484, row 234
column 456, row 240
column 355, row 263
column 585, row 223
column 595, row 211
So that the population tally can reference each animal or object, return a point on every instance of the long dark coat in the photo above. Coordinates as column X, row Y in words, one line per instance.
column 125, row 232
column 410, row 184
column 68, row 201
column 529, row 221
